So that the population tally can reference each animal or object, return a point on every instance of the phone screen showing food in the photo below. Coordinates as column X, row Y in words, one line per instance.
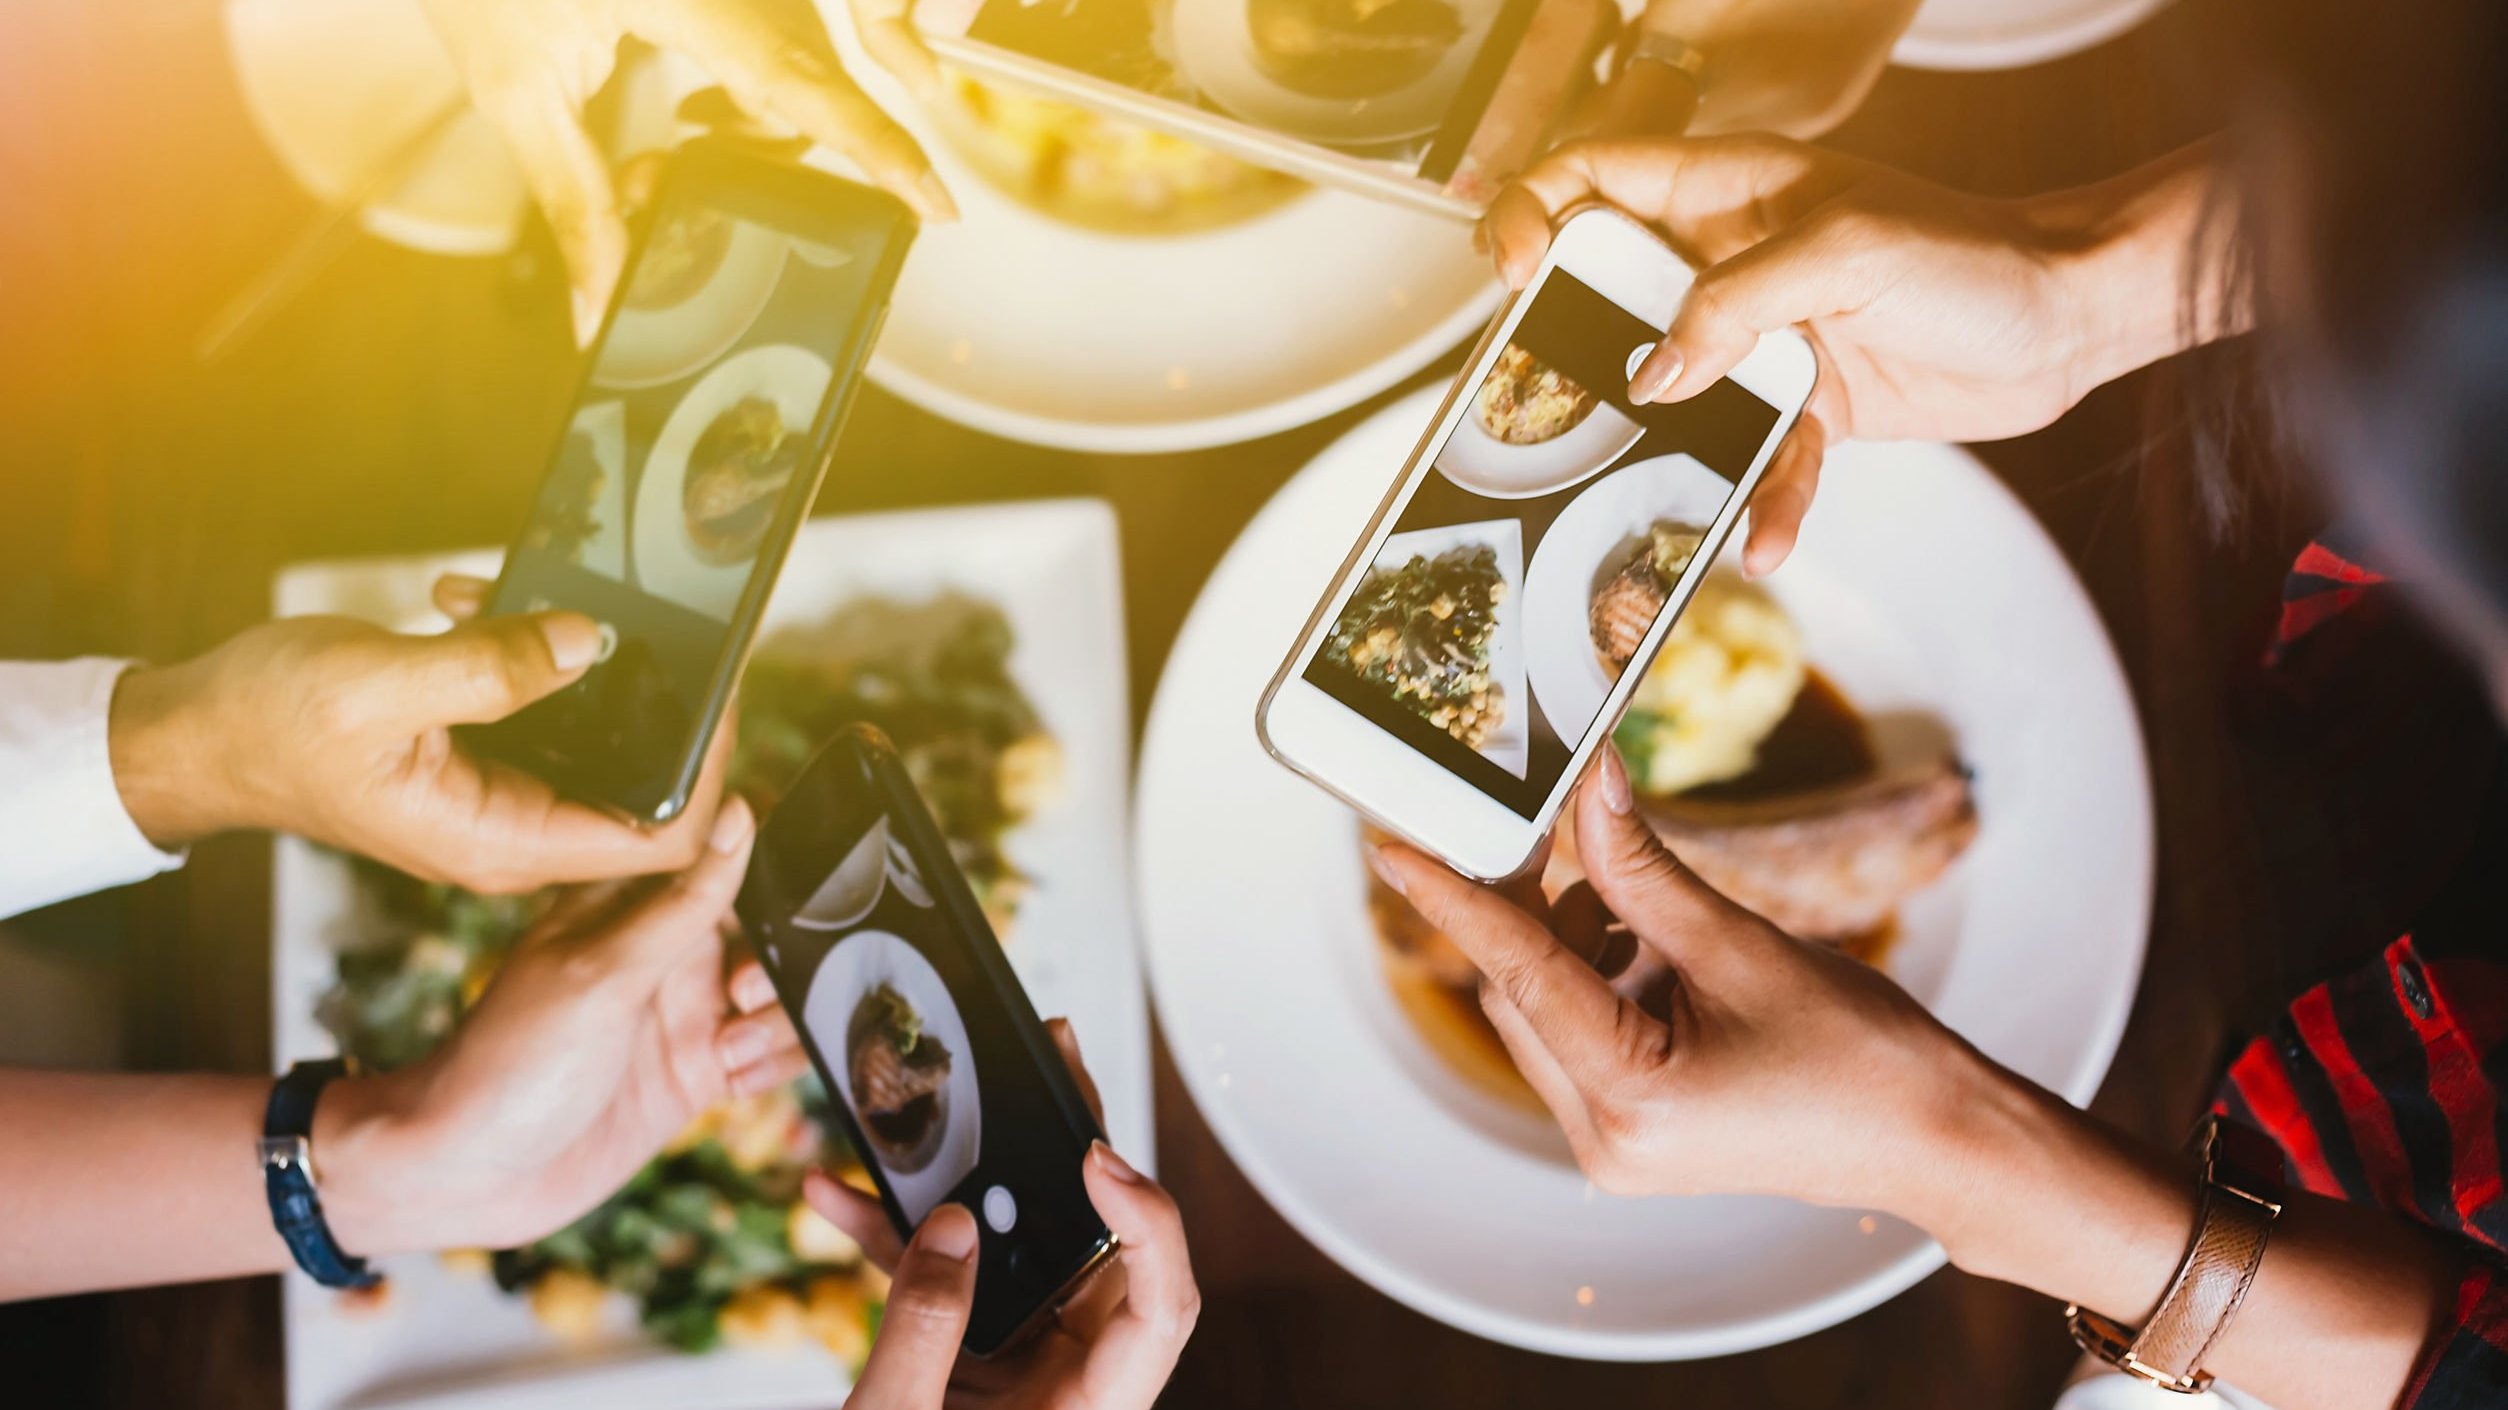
column 928, row 1047
column 1401, row 80
column 698, row 439
column 1528, row 563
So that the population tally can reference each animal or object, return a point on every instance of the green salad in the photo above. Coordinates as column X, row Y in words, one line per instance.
column 711, row 1241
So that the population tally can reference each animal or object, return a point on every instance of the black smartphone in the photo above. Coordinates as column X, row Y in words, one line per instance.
column 947, row 1083
column 707, row 418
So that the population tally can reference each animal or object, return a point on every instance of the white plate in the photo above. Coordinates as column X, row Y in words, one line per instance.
column 668, row 563
column 872, row 957
column 1215, row 55
column 1590, row 540
column 647, row 347
column 1510, row 745
column 1920, row 584
column 2010, row 34
column 1483, row 464
column 1022, row 325
column 452, row 1339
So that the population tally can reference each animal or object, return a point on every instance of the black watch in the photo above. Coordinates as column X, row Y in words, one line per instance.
column 287, row 1171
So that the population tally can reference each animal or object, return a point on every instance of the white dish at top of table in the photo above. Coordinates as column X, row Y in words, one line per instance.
column 451, row 1338
column 1920, row 584
column 2010, row 34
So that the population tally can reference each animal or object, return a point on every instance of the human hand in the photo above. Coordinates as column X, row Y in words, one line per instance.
column 1111, row 1347
column 1772, row 1066
column 607, row 1030
column 1933, row 314
column 1796, row 67
column 340, row 731
column 533, row 65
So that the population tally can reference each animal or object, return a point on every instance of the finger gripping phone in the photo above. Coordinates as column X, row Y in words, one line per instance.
column 1486, row 632
column 945, row 1081
column 705, row 422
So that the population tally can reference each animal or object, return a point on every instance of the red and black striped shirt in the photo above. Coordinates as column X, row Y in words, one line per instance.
column 2385, row 1085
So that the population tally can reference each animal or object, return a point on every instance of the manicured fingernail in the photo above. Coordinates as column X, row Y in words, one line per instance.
column 742, row 1044
column 1382, row 865
column 1114, row 1164
column 751, row 989
column 938, row 204
column 587, row 317
column 731, row 825
column 1616, row 794
column 1654, row 375
column 949, row 1232
column 574, row 639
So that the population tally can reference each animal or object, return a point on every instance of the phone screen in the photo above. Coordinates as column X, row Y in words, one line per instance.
column 1405, row 81
column 1527, row 564
column 694, row 447
column 923, row 1036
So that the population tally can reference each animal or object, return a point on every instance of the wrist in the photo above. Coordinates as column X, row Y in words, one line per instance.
column 363, row 1149
column 163, row 768
column 2142, row 263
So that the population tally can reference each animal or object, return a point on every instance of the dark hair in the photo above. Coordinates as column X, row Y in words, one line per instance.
column 2371, row 221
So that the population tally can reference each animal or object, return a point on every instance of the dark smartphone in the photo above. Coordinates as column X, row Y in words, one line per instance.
column 705, row 422
column 947, row 1083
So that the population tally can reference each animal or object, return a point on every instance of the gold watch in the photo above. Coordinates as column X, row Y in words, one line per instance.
column 2241, row 1196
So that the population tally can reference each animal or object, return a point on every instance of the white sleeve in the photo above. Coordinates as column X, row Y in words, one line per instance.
column 63, row 830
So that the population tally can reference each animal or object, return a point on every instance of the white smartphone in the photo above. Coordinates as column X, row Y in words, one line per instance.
column 1431, row 103
column 1485, row 634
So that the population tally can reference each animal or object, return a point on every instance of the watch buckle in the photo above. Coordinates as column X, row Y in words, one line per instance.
column 287, row 1153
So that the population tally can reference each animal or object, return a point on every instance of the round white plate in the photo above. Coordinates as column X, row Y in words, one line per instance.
column 667, row 561
column 2010, row 34
column 1920, row 584
column 873, row 957
column 1022, row 325
column 1589, row 541
column 1483, row 464
column 1215, row 55
column 647, row 347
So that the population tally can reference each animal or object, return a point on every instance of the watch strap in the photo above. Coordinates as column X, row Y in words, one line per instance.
column 287, row 1173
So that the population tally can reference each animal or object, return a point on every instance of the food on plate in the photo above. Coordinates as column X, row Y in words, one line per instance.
column 1627, row 605
column 899, row 1075
column 1525, row 401
column 735, row 479
column 1423, row 632
column 1355, row 49
column 1727, row 675
column 683, row 249
column 567, row 520
column 718, row 1215
column 1102, row 172
column 1831, row 864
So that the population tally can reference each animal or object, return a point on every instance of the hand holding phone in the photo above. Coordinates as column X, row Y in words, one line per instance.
column 935, row 1062
column 1484, row 636
column 708, row 416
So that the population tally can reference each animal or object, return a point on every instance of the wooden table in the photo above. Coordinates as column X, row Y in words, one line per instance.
column 402, row 405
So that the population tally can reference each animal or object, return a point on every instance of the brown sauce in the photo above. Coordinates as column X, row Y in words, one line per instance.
column 1821, row 741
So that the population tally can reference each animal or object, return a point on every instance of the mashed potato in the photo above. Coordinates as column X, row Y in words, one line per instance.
column 1728, row 673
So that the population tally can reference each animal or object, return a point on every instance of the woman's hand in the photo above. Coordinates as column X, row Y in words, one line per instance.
column 1774, row 1067
column 1933, row 314
column 1111, row 1347
column 1796, row 67
column 341, row 732
column 610, row 1027
column 532, row 66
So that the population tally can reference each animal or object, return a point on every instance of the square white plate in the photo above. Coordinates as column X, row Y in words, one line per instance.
column 448, row 1338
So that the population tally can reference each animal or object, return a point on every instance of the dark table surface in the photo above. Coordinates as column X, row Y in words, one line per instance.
column 401, row 407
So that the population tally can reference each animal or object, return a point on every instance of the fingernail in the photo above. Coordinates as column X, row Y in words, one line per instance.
column 1480, row 237
column 949, row 1232
column 1616, row 794
column 743, row 1044
column 751, row 989
column 1114, row 1164
column 938, row 204
column 731, row 826
column 587, row 318
column 1654, row 375
column 574, row 639
column 1382, row 865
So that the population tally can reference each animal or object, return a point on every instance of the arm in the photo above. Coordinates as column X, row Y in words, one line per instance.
column 607, row 1030
column 1785, row 1068
column 63, row 831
